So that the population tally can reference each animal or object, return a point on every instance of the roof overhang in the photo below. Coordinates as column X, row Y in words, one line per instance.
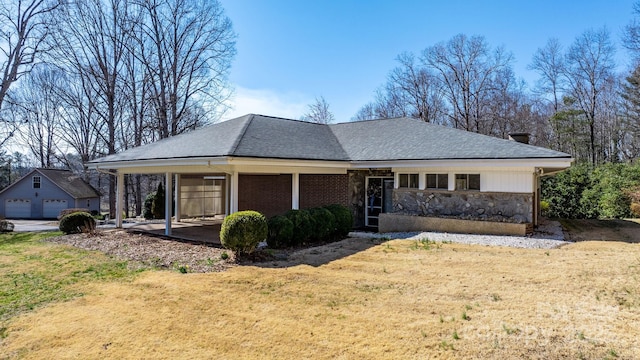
column 553, row 164
column 227, row 164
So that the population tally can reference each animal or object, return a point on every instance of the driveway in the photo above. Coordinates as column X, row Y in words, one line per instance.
column 34, row 225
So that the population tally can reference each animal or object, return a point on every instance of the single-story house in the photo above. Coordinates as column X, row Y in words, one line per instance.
column 43, row 193
column 392, row 173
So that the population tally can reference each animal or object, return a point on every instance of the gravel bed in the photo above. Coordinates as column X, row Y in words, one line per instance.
column 548, row 235
column 151, row 251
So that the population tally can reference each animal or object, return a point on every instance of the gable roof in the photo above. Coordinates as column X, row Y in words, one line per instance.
column 259, row 136
column 66, row 180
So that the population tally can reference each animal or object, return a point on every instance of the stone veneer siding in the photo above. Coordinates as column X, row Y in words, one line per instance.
column 468, row 205
column 321, row 190
column 357, row 192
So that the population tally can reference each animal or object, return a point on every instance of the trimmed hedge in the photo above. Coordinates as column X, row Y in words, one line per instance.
column 242, row 231
column 280, row 232
column 78, row 222
column 344, row 218
column 302, row 226
column 324, row 224
column 297, row 227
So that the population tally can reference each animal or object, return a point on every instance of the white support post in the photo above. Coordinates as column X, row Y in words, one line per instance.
column 168, row 191
column 422, row 180
column 234, row 192
column 119, row 198
column 227, row 194
column 178, row 198
column 295, row 191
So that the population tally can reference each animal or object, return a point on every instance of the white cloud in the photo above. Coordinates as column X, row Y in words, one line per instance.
column 267, row 102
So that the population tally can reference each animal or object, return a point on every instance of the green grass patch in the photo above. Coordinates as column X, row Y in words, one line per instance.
column 35, row 273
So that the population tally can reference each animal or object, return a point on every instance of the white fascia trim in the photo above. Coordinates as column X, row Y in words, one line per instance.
column 217, row 161
column 288, row 162
column 536, row 162
column 158, row 163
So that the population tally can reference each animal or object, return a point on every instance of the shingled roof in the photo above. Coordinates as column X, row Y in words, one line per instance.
column 259, row 136
column 70, row 183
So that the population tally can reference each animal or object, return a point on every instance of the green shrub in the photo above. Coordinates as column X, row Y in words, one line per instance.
column 66, row 212
column 148, row 204
column 280, row 232
column 302, row 225
column 243, row 230
column 157, row 206
column 6, row 226
column 78, row 222
column 324, row 224
column 344, row 219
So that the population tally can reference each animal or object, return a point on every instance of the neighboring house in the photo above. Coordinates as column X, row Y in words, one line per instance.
column 43, row 193
column 389, row 172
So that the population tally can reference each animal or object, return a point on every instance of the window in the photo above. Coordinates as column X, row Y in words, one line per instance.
column 36, row 182
column 438, row 181
column 467, row 181
column 408, row 181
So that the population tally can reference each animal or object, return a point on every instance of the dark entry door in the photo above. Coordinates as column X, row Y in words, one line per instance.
column 378, row 198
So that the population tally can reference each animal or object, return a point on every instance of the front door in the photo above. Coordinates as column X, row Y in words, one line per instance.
column 378, row 198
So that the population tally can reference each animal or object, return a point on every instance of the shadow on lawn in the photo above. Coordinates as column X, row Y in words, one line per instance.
column 601, row 230
column 317, row 255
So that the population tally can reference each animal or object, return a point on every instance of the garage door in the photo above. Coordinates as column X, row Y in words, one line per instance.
column 17, row 209
column 51, row 208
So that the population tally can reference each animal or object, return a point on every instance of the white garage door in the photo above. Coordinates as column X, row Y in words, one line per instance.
column 51, row 208
column 17, row 209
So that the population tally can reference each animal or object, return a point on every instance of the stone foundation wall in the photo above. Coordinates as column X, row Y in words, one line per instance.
column 467, row 205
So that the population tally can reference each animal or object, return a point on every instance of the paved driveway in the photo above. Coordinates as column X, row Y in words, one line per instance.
column 34, row 225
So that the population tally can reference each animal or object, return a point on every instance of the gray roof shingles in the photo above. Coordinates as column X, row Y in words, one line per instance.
column 374, row 140
column 70, row 183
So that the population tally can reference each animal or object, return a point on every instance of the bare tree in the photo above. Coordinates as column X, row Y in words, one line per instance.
column 91, row 40
column 411, row 90
column 24, row 25
column 589, row 68
column 40, row 112
column 187, row 48
column 549, row 63
column 631, row 34
column 319, row 112
column 465, row 67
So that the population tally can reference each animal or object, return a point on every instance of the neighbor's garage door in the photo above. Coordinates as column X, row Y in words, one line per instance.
column 51, row 208
column 17, row 209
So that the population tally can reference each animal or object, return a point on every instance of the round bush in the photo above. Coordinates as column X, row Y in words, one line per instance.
column 243, row 230
column 6, row 226
column 324, row 224
column 280, row 232
column 78, row 222
column 344, row 218
column 302, row 225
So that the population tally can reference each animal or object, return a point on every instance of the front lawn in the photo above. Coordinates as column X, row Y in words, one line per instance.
column 35, row 273
column 397, row 299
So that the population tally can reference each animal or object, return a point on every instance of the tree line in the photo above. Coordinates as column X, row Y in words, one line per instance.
column 84, row 79
column 579, row 103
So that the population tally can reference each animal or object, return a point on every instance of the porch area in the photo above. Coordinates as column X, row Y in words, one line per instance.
column 205, row 231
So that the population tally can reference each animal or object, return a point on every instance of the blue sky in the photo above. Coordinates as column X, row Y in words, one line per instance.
column 292, row 51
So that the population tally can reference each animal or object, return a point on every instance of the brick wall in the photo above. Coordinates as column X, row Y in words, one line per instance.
column 268, row 194
column 320, row 190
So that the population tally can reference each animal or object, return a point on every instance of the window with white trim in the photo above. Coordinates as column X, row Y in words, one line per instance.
column 36, row 182
column 408, row 181
column 438, row 181
column 468, row 182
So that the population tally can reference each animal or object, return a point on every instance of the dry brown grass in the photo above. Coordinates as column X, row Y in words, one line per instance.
column 394, row 300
